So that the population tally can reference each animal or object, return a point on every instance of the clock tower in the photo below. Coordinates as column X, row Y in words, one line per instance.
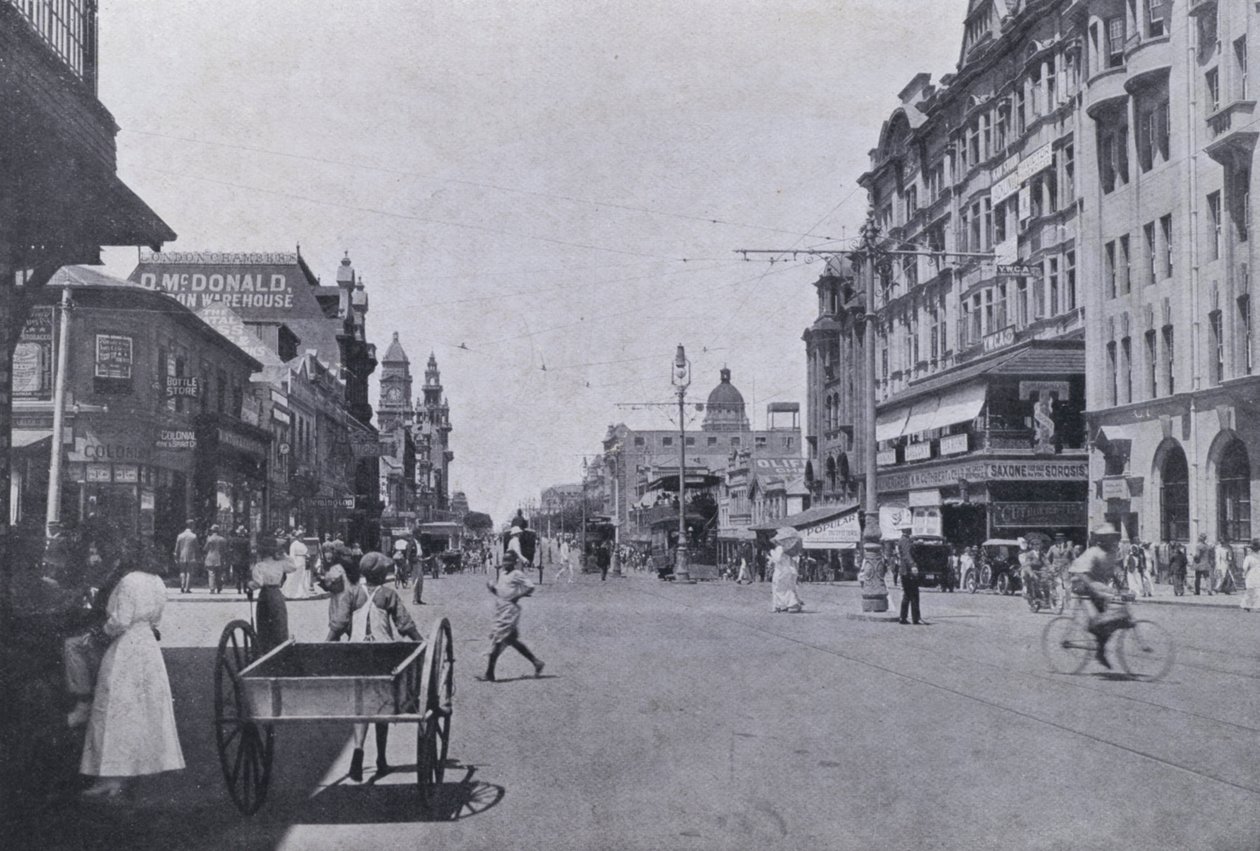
column 394, row 408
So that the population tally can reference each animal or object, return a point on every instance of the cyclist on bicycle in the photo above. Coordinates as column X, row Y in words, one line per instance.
column 1091, row 573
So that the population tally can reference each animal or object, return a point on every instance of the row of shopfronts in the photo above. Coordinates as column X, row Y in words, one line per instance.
column 167, row 418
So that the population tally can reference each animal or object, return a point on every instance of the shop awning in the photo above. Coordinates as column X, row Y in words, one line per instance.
column 440, row 528
column 24, row 438
column 954, row 406
column 890, row 425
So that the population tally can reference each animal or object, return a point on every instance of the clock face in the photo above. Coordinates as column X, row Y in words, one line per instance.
column 394, row 395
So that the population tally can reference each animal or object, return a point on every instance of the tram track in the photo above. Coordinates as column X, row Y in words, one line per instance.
column 1136, row 751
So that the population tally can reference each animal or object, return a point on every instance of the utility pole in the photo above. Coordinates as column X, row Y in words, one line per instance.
column 867, row 254
column 681, row 379
column 53, row 512
column 582, row 558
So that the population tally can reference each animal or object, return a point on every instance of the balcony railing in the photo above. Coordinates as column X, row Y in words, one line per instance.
column 68, row 27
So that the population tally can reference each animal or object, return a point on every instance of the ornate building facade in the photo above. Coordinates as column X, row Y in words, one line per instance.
column 433, row 441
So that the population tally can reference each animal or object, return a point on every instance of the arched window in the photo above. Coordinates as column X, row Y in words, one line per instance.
column 831, row 474
column 1233, row 494
column 1175, row 496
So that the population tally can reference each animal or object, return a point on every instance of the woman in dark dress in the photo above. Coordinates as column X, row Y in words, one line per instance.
column 266, row 577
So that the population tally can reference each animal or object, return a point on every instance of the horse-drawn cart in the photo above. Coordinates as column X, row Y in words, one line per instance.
column 355, row 682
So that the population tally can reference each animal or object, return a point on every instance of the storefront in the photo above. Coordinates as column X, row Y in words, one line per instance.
column 231, row 472
column 831, row 534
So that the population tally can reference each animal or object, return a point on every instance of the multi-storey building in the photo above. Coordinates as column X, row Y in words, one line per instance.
column 1168, row 138
column 433, row 447
column 979, row 340
column 396, row 417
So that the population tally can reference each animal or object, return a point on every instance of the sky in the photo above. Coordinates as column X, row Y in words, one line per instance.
column 547, row 195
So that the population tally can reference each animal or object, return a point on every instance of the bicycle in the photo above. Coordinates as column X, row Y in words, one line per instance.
column 1144, row 649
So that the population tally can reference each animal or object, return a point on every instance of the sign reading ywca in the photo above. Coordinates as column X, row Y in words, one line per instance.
column 113, row 356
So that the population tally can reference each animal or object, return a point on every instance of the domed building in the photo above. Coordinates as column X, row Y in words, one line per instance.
column 725, row 411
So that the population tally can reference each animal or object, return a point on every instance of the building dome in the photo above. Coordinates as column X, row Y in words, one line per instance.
column 725, row 409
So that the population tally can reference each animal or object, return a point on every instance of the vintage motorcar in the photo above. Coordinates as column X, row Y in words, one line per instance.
column 931, row 555
column 997, row 567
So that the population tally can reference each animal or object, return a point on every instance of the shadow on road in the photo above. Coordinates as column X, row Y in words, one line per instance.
column 394, row 803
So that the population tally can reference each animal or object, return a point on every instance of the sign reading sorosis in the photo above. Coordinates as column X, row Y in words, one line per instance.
column 981, row 471
column 837, row 532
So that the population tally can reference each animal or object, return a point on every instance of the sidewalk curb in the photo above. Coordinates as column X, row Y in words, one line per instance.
column 1157, row 602
column 177, row 597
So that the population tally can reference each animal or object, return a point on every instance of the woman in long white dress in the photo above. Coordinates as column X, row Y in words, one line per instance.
column 783, row 558
column 1251, row 577
column 131, row 730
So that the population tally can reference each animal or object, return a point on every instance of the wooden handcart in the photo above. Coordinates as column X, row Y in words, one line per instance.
column 354, row 681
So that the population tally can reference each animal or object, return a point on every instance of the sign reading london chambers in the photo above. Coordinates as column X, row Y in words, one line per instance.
column 260, row 280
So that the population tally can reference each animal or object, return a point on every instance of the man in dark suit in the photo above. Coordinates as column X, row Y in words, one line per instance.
column 909, row 574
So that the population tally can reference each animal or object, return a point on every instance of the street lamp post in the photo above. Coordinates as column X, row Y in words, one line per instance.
column 681, row 379
column 875, row 590
column 582, row 557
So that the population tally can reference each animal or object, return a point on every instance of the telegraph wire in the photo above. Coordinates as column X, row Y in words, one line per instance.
column 481, row 185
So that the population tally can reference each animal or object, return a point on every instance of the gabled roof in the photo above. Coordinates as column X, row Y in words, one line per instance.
column 395, row 353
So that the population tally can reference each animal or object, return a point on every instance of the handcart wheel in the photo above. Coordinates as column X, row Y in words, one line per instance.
column 433, row 735
column 245, row 748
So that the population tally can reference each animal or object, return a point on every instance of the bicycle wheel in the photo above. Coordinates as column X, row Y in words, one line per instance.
column 1145, row 650
column 1066, row 645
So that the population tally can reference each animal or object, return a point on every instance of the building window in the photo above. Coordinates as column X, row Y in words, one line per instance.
column 1152, row 126
column 1233, row 494
column 1238, row 181
column 712, row 441
column 1166, row 231
column 1214, row 225
column 1244, row 333
column 1115, row 42
column 691, row 441
column 1175, row 496
column 1240, row 60
column 221, row 392
column 1213, row 90
column 1021, row 122
column 1069, row 280
column 1067, row 165
column 1124, row 274
column 734, row 441
column 1109, row 269
column 1152, row 253
column 1156, row 24
column 1022, row 305
column 667, row 441
column 162, row 373
column 1170, row 359
column 1126, row 370
column 1152, row 366
column 1216, row 351
column 1113, row 371
column 639, row 441
column 1052, row 286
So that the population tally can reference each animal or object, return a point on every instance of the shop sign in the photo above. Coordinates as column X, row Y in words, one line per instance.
column 242, row 442
column 955, row 444
column 1059, row 389
column 329, row 501
column 113, row 356
column 98, row 473
column 835, row 533
column 174, row 438
column 894, row 518
column 366, row 445
column 280, row 416
column 926, row 521
column 999, row 339
column 1117, row 488
column 32, row 359
column 886, row 457
column 981, row 471
column 259, row 281
column 180, row 386
column 97, row 444
column 786, row 466
column 1038, row 514
column 126, row 473
column 918, row 452
column 146, row 500
column 925, row 498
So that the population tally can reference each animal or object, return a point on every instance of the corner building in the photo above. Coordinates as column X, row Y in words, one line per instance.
column 1169, row 138
column 980, row 352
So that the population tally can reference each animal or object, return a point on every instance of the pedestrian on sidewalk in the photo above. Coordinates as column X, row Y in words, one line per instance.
column 1202, row 564
column 1251, row 577
column 784, row 559
column 514, row 586
column 187, row 555
column 382, row 617
column 566, row 562
column 745, row 556
column 909, row 578
column 266, row 579
column 1223, row 567
column 602, row 559
column 216, row 559
column 296, row 585
column 1177, row 568
column 131, row 729
column 1146, row 566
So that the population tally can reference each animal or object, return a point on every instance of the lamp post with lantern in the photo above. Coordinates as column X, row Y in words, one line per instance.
column 680, row 377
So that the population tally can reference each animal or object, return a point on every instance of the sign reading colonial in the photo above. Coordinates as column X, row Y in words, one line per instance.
column 174, row 438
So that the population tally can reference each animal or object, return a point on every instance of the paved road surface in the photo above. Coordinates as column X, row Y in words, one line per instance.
column 690, row 717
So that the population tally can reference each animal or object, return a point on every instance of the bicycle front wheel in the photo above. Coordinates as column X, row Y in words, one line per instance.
column 1066, row 645
column 1145, row 650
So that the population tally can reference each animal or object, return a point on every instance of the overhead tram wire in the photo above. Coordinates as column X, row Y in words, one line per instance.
column 482, row 185
column 409, row 217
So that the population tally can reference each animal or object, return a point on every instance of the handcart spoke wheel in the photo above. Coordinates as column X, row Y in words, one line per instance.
column 437, row 690
column 245, row 748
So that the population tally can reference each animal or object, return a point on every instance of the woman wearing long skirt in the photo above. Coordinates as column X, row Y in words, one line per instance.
column 783, row 558
column 267, row 578
column 745, row 570
column 1251, row 577
column 131, row 730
